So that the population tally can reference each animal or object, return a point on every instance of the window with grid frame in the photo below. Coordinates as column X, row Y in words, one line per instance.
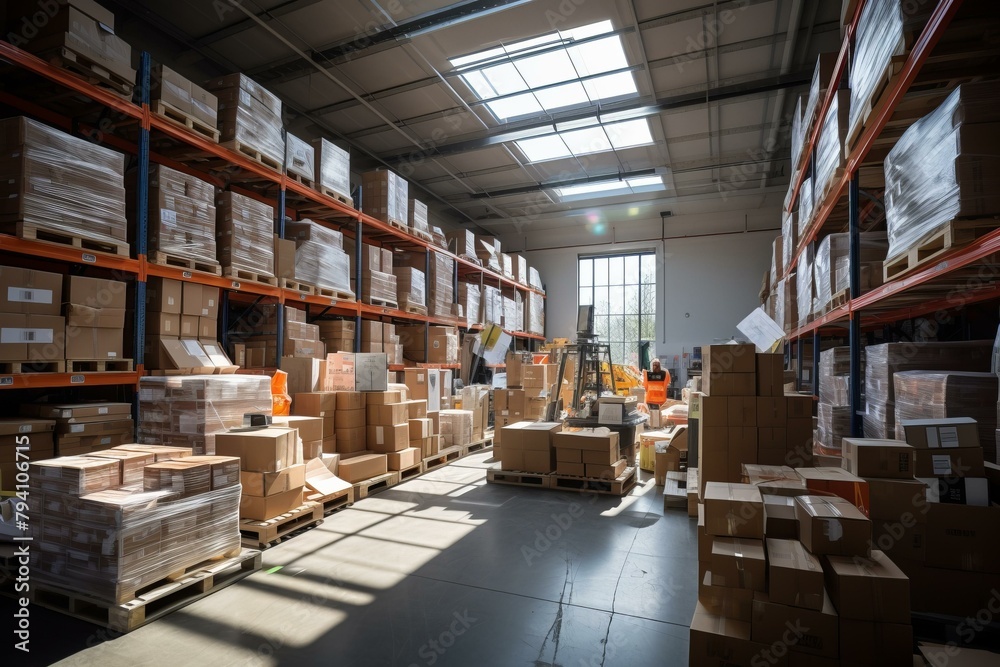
column 622, row 289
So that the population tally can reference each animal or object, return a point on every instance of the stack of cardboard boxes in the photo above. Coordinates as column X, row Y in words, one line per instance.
column 95, row 318
column 175, row 93
column 509, row 406
column 31, row 328
column 181, row 218
column 244, row 237
column 320, row 405
column 462, row 242
column 468, row 299
column 338, row 335
column 300, row 159
column 456, row 427
column 319, row 258
column 301, row 340
column 351, row 420
column 410, row 288
column 589, row 453
column 333, row 169
column 249, row 118
column 418, row 218
column 272, row 472
column 182, row 326
column 378, row 283
column 441, row 346
column 528, row 447
column 425, row 387
column 385, row 196
column 388, row 430
column 423, row 432
column 85, row 427
column 834, row 407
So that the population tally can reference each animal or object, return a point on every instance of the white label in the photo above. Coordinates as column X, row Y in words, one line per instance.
column 113, row 355
column 76, row 428
column 170, row 300
column 948, row 436
column 87, row 257
column 168, row 216
column 106, row 440
column 102, row 411
column 236, row 285
column 204, row 312
column 932, row 437
column 378, row 436
column 941, row 464
column 15, row 336
column 24, row 428
column 77, row 379
column 26, row 295
column 186, row 274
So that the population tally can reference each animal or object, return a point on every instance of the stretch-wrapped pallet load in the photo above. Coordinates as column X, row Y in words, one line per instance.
column 491, row 304
column 96, row 537
column 182, row 215
column 300, row 158
column 777, row 261
column 410, row 287
column 244, row 234
column 190, row 410
column 805, row 287
column 534, row 278
column 807, row 106
column 534, row 314
column 883, row 361
column 946, row 394
column 333, row 169
column 468, row 298
column 56, row 183
column 83, row 428
column 834, row 248
column 789, row 238
column 462, row 242
column 943, row 168
column 417, row 216
column 385, row 196
column 319, row 256
column 834, row 407
column 378, row 287
column 175, row 92
column 830, row 145
column 806, row 206
column 786, row 311
column 250, row 118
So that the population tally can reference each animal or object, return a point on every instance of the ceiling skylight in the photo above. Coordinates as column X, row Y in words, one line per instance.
column 537, row 67
column 595, row 139
column 611, row 188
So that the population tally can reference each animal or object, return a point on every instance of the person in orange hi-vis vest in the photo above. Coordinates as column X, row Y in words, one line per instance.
column 655, row 383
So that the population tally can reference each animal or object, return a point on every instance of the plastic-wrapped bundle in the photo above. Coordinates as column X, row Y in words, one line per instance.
column 181, row 215
column 806, row 206
column 798, row 136
column 250, row 115
column 492, row 305
column 468, row 298
column 885, row 360
column 777, row 260
column 410, row 286
column 111, row 543
column 442, row 286
column 834, row 423
column 944, row 167
column 333, row 168
column 183, row 95
column 807, row 106
column 59, row 183
column 245, row 234
column 786, row 310
column 456, row 427
column 513, row 313
column 464, row 242
column 871, row 275
column 385, row 196
column 944, row 394
column 804, row 283
column 308, row 230
column 789, row 237
column 76, row 27
column 323, row 266
column 834, row 376
column 830, row 145
column 300, row 158
column 417, row 215
column 534, row 279
column 191, row 410
column 378, row 286
column 534, row 314
column 873, row 246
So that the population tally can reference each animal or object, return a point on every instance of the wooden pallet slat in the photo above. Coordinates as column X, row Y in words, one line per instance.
column 333, row 293
column 243, row 275
column 384, row 303
column 181, row 262
column 442, row 458
column 31, row 231
column 296, row 286
column 90, row 71
column 946, row 238
column 36, row 366
column 415, row 308
column 411, row 472
column 367, row 487
column 192, row 124
column 99, row 365
column 335, row 501
column 262, row 534
column 333, row 194
column 252, row 153
column 616, row 487
column 495, row 475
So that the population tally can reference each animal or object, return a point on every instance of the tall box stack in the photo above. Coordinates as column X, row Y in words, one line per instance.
column 338, row 335
column 883, row 361
column 832, row 253
column 351, row 421
column 182, row 217
column 34, row 436
column 834, row 407
column 520, row 269
column 528, row 447
column 456, row 427
column 182, row 327
column 387, row 422
column 31, row 327
column 462, row 242
column 385, row 196
column 491, row 306
column 441, row 346
column 320, row 259
column 302, row 340
column 468, row 298
column 476, row 398
column 250, row 118
column 89, row 201
column 440, row 293
column 319, row 405
column 536, row 381
column 488, row 253
column 378, row 283
column 300, row 159
column 83, row 428
column 244, row 236
column 417, row 216
column 95, row 318
column 178, row 94
column 191, row 410
column 829, row 151
column 410, row 288
column 99, row 538
column 509, row 407
column 589, row 453
column 272, row 473
column 534, row 314
column 333, row 170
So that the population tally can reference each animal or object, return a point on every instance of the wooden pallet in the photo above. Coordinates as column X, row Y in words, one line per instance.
column 31, row 232
column 185, row 120
column 420, row 234
column 411, row 472
column 242, row 275
column 335, row 501
column 443, row 458
column 90, row 71
column 384, row 303
column 367, row 487
column 401, row 226
column 954, row 234
column 470, row 258
column 154, row 603
column 478, row 446
column 415, row 308
column 296, row 286
column 616, row 487
column 37, row 366
column 167, row 259
column 333, row 194
column 99, row 365
column 262, row 534
column 495, row 475
column 333, row 293
column 299, row 178
column 238, row 146
column 839, row 299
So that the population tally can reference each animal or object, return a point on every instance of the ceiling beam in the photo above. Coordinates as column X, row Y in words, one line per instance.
column 283, row 9
column 697, row 13
column 736, row 47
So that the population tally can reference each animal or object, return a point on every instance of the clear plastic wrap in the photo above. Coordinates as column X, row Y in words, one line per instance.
column 410, row 286
column 520, row 269
column 418, row 216
column 250, row 115
column 456, row 427
column 534, row 314
column 80, row 33
column 534, row 279
column 442, row 286
column 805, row 287
column 777, row 260
column 333, row 167
column 798, row 136
column 830, row 145
column 883, row 361
column 245, row 234
column 379, row 286
column 190, row 410
column 310, row 231
column 806, row 206
column 832, row 248
column 879, row 37
column 468, row 298
column 491, row 304
column 462, row 242
column 110, row 543
column 385, row 196
column 56, row 182
column 871, row 275
column 944, row 167
column 182, row 215
column 323, row 266
column 940, row 395
column 789, row 237
column 300, row 157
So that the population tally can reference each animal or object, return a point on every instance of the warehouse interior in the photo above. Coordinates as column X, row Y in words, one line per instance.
column 519, row 332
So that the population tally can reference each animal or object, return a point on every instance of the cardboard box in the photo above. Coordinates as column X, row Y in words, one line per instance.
column 309, row 428
column 385, row 439
column 839, row 482
column 721, row 600
column 571, row 468
column 869, row 589
column 733, row 510
column 266, row 450
column 865, row 643
column 350, row 439
column 738, row 563
column 314, row 404
column 389, row 414
column 25, row 292
column 896, row 499
column 960, row 537
column 167, row 325
column 869, row 457
column 770, row 370
column 191, row 299
column 958, row 462
column 359, row 468
column 741, row 410
column 528, row 447
column 93, row 343
column 780, row 521
column 604, row 471
column 830, row 525
column 272, row 483
column 798, row 406
column 351, row 400
column 186, row 477
column 795, row 576
column 941, row 433
column 771, row 412
column 957, row 490
column 404, row 459
column 816, row 631
column 717, row 641
column 164, row 295
column 421, row 428
column 262, row 508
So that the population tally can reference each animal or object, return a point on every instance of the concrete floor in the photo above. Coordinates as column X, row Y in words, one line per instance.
column 441, row 570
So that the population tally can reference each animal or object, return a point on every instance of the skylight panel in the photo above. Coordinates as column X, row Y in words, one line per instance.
column 652, row 182
column 477, row 57
column 613, row 85
column 513, row 107
column 505, row 79
column 546, row 68
column 478, row 83
column 589, row 140
column 549, row 147
column 599, row 56
column 611, row 188
column 534, row 43
column 589, row 30
column 629, row 133
column 605, row 188
column 562, row 96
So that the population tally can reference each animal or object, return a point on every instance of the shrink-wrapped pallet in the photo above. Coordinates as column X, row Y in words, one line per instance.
column 250, row 116
column 244, row 234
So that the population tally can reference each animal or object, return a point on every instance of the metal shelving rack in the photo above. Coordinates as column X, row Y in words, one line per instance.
column 278, row 190
column 925, row 290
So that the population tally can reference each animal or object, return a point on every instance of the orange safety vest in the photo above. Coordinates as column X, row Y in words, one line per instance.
column 656, row 386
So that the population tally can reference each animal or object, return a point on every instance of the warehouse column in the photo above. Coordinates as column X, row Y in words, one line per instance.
column 141, row 217
column 358, row 230
column 855, row 335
